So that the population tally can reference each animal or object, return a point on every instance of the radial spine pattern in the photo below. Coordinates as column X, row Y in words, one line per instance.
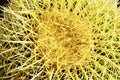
column 60, row 40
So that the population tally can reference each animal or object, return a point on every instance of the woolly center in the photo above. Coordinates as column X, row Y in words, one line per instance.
column 63, row 38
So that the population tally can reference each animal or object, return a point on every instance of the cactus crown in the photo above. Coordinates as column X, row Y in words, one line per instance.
column 60, row 40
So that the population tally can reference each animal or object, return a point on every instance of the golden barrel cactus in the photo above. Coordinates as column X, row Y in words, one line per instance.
column 60, row 40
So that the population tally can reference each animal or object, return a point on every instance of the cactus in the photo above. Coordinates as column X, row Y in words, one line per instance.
column 60, row 40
